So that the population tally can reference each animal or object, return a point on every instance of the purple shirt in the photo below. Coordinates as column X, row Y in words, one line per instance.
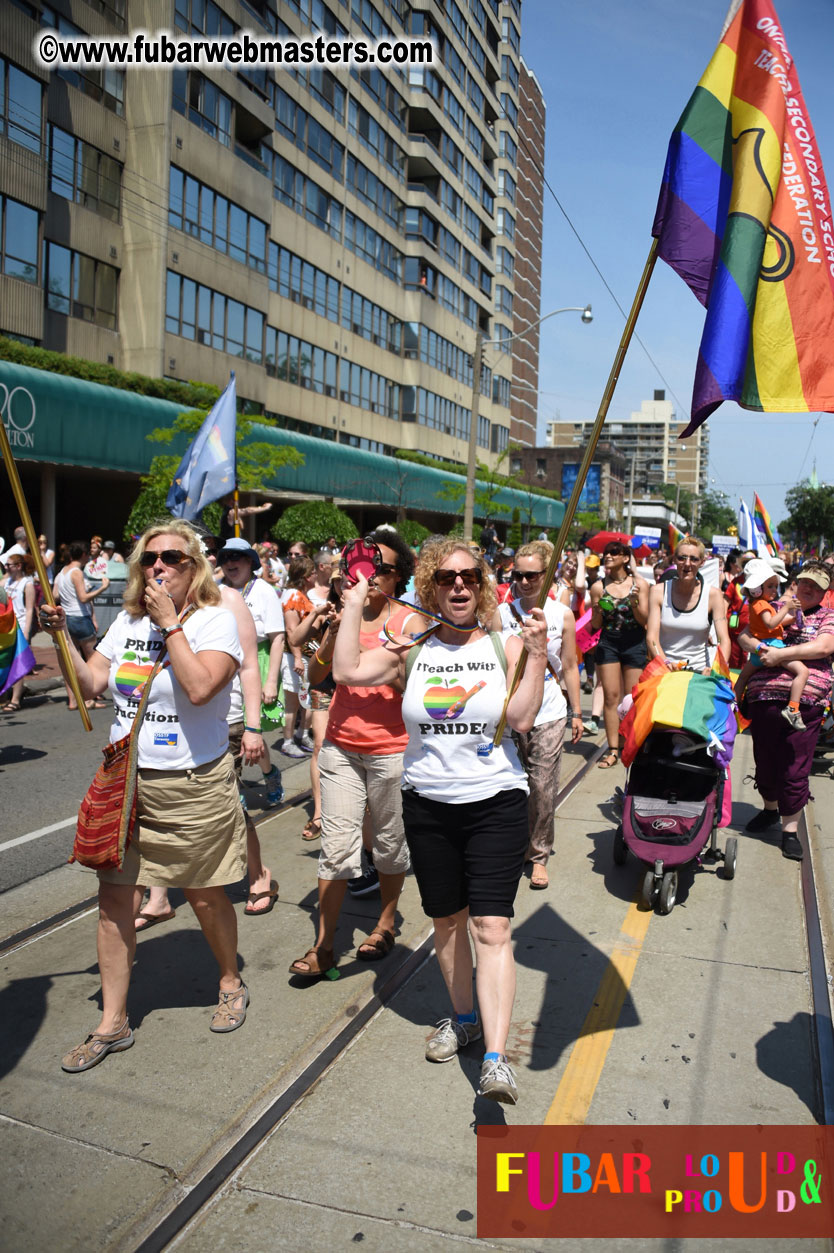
column 775, row 684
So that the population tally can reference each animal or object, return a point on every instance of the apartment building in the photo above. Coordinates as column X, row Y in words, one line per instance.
column 336, row 238
column 649, row 442
column 524, row 400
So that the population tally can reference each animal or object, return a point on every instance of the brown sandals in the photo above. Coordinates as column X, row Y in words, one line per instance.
column 609, row 759
column 96, row 1047
column 315, row 963
column 312, row 830
column 271, row 895
column 378, row 945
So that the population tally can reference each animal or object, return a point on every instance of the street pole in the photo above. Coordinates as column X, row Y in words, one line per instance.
column 677, row 503
column 630, row 495
column 469, row 499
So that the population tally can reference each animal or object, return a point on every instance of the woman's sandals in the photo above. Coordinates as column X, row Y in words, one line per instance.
column 610, row 759
column 231, row 1010
column 96, row 1047
column 378, row 945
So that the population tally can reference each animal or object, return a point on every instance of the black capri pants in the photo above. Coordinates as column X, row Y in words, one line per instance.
column 467, row 856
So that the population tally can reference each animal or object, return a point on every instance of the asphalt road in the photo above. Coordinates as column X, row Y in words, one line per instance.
column 47, row 761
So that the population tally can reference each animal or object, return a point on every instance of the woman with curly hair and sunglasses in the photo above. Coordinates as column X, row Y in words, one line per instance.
column 464, row 799
column 190, row 830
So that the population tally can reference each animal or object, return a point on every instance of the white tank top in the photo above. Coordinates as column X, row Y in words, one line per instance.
column 684, row 633
column 64, row 588
column 452, row 702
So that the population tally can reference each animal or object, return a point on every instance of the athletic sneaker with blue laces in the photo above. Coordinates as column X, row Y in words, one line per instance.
column 274, row 787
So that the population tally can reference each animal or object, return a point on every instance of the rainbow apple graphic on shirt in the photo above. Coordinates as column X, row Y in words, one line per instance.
column 131, row 675
column 439, row 698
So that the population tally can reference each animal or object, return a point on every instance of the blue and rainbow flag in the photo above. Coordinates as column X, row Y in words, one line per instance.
column 762, row 520
column 743, row 217
column 16, row 657
column 703, row 704
column 675, row 537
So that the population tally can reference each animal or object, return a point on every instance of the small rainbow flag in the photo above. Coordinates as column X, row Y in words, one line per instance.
column 675, row 537
column 16, row 657
column 762, row 520
column 703, row 704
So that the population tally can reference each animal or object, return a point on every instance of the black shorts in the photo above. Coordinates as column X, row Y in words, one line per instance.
column 469, row 855
column 628, row 650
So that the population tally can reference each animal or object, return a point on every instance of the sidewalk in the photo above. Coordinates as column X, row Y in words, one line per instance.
column 714, row 1028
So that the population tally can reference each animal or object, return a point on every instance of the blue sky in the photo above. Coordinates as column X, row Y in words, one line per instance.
column 615, row 78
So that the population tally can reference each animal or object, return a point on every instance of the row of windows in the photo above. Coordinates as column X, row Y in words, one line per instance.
column 79, row 286
column 373, row 192
column 297, row 125
column 372, row 247
column 81, row 173
column 203, row 103
column 208, row 317
column 199, row 211
column 303, row 282
column 305, row 196
column 198, row 313
column 20, row 106
column 106, row 86
column 376, row 139
column 18, row 240
column 202, row 17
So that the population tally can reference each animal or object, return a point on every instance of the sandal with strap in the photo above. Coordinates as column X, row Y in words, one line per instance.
column 373, row 950
column 539, row 878
column 312, row 830
column 229, row 1016
column 96, row 1047
column 318, row 962
column 253, row 897
column 610, row 759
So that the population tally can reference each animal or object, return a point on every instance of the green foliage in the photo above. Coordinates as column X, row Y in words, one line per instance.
column 413, row 532
column 313, row 522
column 715, row 515
column 585, row 522
column 514, row 533
column 197, row 395
column 452, row 467
column 686, row 505
column 810, row 517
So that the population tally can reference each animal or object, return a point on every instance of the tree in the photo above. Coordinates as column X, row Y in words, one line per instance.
column 810, row 518
column 715, row 514
column 313, row 522
column 686, row 503
column 514, row 533
column 257, row 462
column 412, row 532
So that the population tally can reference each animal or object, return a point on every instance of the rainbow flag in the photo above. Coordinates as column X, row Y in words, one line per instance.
column 675, row 537
column 703, row 704
column 16, row 657
column 762, row 519
column 743, row 217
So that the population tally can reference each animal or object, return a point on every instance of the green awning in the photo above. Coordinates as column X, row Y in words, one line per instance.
column 61, row 420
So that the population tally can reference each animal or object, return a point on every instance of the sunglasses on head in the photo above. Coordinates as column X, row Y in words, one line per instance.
column 470, row 577
column 529, row 576
column 170, row 557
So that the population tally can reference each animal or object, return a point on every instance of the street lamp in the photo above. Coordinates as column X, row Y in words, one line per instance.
column 480, row 344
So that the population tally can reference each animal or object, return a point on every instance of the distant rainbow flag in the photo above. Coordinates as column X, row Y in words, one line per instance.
column 703, row 704
column 16, row 657
column 743, row 217
column 762, row 519
column 675, row 537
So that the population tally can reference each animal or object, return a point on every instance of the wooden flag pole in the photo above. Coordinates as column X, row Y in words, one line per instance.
column 35, row 553
column 570, row 510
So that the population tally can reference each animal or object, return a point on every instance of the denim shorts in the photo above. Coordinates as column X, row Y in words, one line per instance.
column 80, row 628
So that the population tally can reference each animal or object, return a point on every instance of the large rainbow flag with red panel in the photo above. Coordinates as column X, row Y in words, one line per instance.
column 744, row 218
column 16, row 657
column 703, row 704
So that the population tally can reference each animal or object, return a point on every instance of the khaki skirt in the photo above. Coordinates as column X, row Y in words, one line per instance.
column 190, row 830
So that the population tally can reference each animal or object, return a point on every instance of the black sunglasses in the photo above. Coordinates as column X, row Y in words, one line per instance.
column 170, row 557
column 470, row 577
column 527, row 576
column 385, row 567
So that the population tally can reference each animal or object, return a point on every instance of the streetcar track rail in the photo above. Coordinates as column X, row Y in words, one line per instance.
column 38, row 930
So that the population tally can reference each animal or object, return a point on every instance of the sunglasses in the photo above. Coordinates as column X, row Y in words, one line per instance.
column 527, row 576
column 470, row 577
column 385, row 567
column 170, row 557
column 692, row 560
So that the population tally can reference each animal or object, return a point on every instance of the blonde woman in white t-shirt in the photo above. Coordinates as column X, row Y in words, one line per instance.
column 189, row 831
column 464, row 800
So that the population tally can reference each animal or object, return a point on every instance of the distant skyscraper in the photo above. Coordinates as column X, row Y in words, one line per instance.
column 528, row 257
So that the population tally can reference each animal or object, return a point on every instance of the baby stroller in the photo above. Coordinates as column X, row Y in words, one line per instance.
column 671, row 810
column 679, row 736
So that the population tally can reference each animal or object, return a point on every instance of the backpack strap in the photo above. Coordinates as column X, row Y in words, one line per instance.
column 498, row 645
column 410, row 658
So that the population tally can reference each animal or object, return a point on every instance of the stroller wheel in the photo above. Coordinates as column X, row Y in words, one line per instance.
column 668, row 892
column 619, row 851
column 647, row 894
column 730, row 854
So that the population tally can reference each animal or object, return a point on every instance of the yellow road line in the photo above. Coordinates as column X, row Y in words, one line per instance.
column 582, row 1074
